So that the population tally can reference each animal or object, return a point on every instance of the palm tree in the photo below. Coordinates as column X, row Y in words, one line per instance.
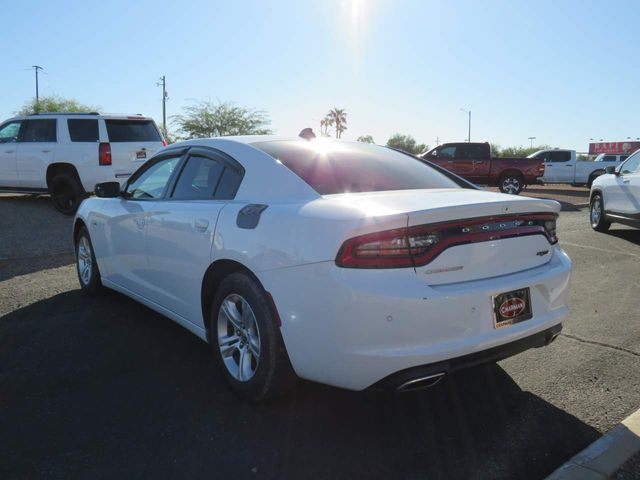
column 326, row 122
column 338, row 118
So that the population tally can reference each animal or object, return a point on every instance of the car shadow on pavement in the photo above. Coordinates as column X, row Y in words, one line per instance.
column 104, row 387
column 628, row 234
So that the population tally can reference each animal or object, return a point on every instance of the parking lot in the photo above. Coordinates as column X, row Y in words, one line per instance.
column 105, row 387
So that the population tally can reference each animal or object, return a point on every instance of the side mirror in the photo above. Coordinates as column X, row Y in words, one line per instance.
column 611, row 170
column 107, row 189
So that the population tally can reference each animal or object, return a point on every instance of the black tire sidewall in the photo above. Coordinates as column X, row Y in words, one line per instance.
column 74, row 186
column 95, row 283
column 273, row 366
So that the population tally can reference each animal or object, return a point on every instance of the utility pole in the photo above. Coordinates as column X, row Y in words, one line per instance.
column 469, row 113
column 437, row 140
column 36, row 68
column 531, row 139
column 165, row 97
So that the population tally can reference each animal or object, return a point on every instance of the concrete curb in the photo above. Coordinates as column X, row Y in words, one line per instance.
column 606, row 455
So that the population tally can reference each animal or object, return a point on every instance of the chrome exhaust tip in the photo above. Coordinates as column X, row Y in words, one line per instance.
column 420, row 383
column 553, row 337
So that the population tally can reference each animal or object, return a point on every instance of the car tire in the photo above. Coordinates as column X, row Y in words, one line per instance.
column 247, row 342
column 66, row 193
column 596, row 214
column 511, row 183
column 86, row 265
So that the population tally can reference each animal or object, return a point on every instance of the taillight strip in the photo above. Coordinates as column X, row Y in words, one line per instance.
column 419, row 256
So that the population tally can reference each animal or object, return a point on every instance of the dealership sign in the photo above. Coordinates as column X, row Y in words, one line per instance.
column 613, row 147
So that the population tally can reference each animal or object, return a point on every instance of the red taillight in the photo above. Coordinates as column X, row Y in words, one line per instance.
column 164, row 143
column 419, row 245
column 104, row 154
column 388, row 249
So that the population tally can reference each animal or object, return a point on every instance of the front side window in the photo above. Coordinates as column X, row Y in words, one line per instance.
column 83, row 130
column 631, row 165
column 447, row 152
column 331, row 168
column 132, row 131
column 41, row 130
column 152, row 182
column 9, row 132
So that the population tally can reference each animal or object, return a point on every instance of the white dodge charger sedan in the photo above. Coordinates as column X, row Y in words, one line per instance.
column 349, row 264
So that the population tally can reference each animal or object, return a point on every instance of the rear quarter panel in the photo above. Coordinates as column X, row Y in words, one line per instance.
column 529, row 168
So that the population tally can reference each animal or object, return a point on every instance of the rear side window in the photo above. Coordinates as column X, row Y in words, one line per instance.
column 83, row 130
column 132, row 131
column 559, row 156
column 471, row 152
column 343, row 168
column 198, row 180
column 229, row 184
column 41, row 130
column 609, row 158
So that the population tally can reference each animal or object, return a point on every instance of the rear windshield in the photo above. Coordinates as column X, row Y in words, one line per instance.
column 343, row 168
column 132, row 131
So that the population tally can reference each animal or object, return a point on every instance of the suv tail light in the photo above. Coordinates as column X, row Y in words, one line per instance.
column 104, row 154
column 164, row 142
column 419, row 245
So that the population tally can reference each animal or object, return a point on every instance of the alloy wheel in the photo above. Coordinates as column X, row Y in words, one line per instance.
column 85, row 260
column 596, row 212
column 238, row 337
column 511, row 185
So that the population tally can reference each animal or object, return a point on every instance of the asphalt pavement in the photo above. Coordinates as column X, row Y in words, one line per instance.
column 104, row 387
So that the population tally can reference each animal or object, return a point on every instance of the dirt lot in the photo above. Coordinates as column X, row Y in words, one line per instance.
column 104, row 388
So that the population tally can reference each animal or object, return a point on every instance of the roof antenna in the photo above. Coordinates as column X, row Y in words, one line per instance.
column 307, row 134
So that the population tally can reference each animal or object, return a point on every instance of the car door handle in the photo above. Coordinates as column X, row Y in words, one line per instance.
column 140, row 221
column 46, row 151
column 201, row 225
column 9, row 151
column 626, row 181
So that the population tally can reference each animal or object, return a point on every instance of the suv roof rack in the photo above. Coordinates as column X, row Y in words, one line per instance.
column 63, row 113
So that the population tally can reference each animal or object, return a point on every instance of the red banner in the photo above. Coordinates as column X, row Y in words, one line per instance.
column 613, row 147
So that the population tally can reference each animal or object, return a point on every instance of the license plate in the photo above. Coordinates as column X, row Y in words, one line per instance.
column 141, row 155
column 512, row 307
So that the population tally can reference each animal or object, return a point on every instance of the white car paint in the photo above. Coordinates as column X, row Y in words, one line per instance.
column 563, row 166
column 24, row 164
column 347, row 327
column 620, row 192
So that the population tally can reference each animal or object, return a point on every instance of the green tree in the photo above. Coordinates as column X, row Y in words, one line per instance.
column 205, row 118
column 366, row 139
column 54, row 103
column 516, row 151
column 338, row 117
column 406, row 143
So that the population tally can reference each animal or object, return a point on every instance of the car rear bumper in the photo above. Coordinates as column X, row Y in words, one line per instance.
column 407, row 379
column 352, row 328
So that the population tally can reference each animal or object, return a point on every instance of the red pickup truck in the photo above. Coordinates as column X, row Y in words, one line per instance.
column 473, row 162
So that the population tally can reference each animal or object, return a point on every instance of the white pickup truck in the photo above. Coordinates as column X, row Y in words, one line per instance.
column 563, row 166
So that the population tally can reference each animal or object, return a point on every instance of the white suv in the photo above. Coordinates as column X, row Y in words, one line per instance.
column 615, row 196
column 66, row 154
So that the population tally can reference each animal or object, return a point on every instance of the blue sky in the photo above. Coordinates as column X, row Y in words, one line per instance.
column 563, row 71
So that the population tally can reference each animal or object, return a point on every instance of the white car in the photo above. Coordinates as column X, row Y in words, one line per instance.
column 615, row 196
column 563, row 166
column 344, row 263
column 66, row 154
